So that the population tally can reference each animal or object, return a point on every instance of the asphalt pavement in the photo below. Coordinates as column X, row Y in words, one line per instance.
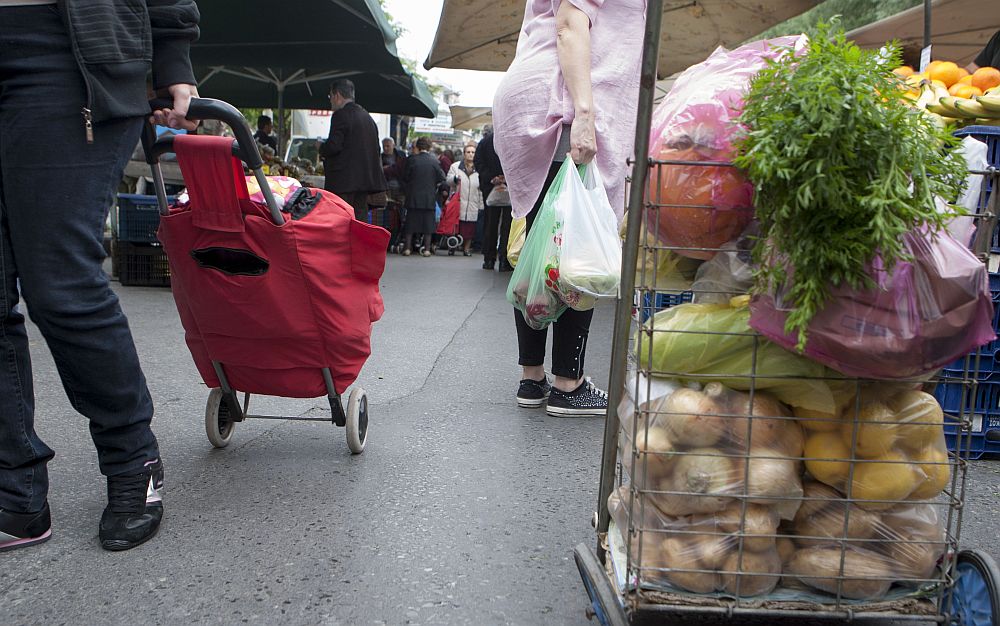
column 463, row 508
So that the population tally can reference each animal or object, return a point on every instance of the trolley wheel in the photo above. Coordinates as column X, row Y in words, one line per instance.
column 357, row 420
column 451, row 253
column 218, row 426
column 975, row 599
column 603, row 597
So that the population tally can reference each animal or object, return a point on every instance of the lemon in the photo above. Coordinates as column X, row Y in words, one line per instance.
column 877, row 431
column 817, row 421
column 932, row 465
column 886, row 479
column 827, row 446
column 920, row 420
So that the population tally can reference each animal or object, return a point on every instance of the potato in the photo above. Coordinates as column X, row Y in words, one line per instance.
column 867, row 575
column 781, row 433
column 829, row 522
column 702, row 477
column 920, row 417
column 914, row 560
column 678, row 555
column 817, row 496
column 892, row 479
column 692, row 419
column 786, row 548
column 760, row 524
column 877, row 430
column 772, row 477
column 747, row 582
column 711, row 550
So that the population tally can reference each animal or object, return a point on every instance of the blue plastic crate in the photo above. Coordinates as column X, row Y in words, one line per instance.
column 662, row 301
column 950, row 390
column 984, row 438
column 138, row 218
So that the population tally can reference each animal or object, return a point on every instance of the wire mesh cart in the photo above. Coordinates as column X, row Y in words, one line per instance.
column 764, row 486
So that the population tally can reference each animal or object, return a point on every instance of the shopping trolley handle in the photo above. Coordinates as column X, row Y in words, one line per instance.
column 209, row 109
column 244, row 148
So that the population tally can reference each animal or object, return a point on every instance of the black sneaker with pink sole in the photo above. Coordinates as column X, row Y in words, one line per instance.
column 20, row 530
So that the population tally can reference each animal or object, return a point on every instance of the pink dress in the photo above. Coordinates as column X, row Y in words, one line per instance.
column 532, row 103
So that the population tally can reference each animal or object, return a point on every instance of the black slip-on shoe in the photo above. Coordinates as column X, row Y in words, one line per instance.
column 135, row 508
column 20, row 530
column 584, row 401
column 531, row 394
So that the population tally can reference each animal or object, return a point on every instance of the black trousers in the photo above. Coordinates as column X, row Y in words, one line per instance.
column 496, row 231
column 569, row 332
column 51, row 241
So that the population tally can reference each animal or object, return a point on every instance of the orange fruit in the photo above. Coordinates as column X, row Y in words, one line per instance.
column 903, row 71
column 965, row 80
column 962, row 73
column 986, row 78
column 932, row 65
column 947, row 72
column 964, row 91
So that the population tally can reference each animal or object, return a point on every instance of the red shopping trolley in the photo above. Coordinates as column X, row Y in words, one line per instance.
column 276, row 298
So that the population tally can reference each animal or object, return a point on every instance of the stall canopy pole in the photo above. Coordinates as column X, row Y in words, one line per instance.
column 927, row 23
column 630, row 254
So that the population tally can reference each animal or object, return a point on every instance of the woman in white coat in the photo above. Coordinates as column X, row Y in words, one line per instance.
column 463, row 177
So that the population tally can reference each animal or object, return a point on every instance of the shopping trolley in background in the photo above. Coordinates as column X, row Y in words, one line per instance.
column 275, row 298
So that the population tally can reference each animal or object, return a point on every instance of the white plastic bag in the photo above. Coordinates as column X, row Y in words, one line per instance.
column 590, row 259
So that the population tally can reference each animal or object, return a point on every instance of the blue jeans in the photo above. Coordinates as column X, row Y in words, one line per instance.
column 55, row 191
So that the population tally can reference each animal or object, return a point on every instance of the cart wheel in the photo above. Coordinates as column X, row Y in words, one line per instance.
column 603, row 598
column 975, row 600
column 451, row 253
column 357, row 420
column 218, row 426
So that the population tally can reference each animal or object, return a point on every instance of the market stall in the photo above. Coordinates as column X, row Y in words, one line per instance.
column 788, row 435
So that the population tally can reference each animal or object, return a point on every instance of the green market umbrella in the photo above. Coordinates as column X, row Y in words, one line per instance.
column 264, row 54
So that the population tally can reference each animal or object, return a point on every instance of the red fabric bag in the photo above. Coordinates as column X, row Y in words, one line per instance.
column 301, row 296
column 450, row 215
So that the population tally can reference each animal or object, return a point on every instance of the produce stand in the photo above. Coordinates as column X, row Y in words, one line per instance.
column 921, row 573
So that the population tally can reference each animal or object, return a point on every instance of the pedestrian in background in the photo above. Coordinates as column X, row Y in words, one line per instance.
column 463, row 178
column 497, row 215
column 72, row 100
column 447, row 159
column 351, row 161
column 423, row 176
column 263, row 135
column 576, row 71
column 393, row 166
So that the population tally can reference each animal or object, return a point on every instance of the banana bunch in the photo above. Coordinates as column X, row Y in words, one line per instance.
column 980, row 110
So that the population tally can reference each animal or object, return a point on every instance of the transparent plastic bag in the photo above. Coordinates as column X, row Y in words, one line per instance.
column 900, row 545
column 925, row 313
column 693, row 340
column 515, row 241
column 696, row 451
column 701, row 207
column 533, row 287
column 733, row 551
column 590, row 258
column 897, row 438
column 726, row 275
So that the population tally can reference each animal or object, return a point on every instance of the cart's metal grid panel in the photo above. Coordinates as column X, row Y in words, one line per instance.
column 624, row 456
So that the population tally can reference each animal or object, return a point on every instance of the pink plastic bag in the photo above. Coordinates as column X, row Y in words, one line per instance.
column 923, row 315
column 698, row 208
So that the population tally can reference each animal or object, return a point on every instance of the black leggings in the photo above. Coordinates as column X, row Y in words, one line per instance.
column 569, row 332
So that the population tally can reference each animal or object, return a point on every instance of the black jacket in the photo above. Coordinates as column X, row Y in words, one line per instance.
column 487, row 163
column 117, row 42
column 350, row 154
column 422, row 177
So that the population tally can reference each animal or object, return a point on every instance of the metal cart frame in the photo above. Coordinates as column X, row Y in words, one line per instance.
column 962, row 573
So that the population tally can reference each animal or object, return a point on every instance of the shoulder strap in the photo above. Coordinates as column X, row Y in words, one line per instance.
column 215, row 181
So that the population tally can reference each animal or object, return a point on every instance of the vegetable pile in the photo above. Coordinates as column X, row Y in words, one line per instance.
column 841, row 169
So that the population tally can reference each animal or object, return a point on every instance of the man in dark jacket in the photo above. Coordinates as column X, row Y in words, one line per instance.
column 423, row 177
column 73, row 79
column 351, row 153
column 498, row 217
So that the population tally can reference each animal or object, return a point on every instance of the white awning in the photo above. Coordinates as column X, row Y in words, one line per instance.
column 959, row 29
column 470, row 118
column 482, row 34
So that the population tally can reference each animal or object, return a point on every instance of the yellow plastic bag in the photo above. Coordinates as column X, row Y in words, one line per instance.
column 716, row 340
column 515, row 241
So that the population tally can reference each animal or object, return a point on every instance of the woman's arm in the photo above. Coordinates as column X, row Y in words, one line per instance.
column 573, row 46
